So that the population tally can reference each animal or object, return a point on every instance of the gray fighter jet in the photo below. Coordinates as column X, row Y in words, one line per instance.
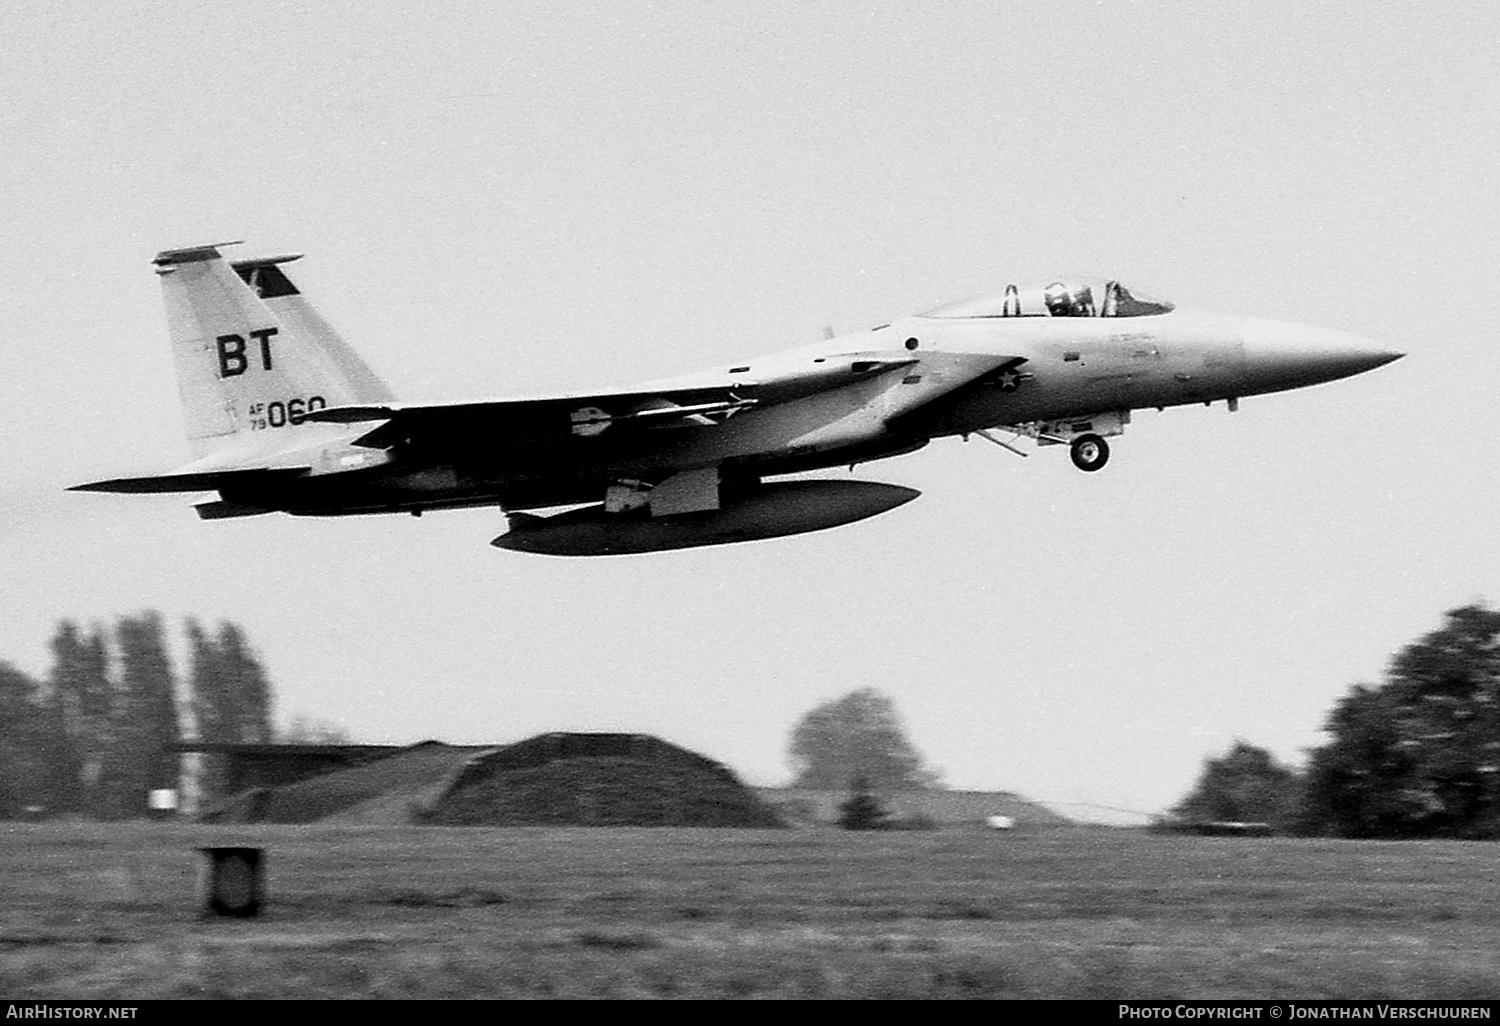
column 283, row 416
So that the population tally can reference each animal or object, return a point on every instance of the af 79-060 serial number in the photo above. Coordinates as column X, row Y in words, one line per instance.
column 280, row 414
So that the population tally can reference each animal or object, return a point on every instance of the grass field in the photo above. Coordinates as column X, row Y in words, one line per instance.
column 112, row 911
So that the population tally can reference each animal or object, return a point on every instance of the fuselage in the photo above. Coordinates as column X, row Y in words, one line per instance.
column 1016, row 371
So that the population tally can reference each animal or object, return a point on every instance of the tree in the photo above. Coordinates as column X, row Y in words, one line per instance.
column 204, row 684
column 82, row 694
column 231, row 697
column 60, row 764
column 146, row 713
column 1360, row 784
column 62, row 706
column 25, row 773
column 1418, row 756
column 1245, row 785
column 861, row 810
column 859, row 735
column 246, row 688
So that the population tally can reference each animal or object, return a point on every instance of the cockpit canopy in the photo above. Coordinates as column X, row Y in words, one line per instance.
column 1058, row 299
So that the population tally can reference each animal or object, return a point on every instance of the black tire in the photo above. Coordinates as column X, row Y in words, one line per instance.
column 1089, row 452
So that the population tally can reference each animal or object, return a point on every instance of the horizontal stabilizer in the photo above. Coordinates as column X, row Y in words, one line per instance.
column 203, row 482
column 352, row 414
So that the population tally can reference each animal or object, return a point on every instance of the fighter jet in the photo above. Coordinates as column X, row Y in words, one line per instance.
column 283, row 416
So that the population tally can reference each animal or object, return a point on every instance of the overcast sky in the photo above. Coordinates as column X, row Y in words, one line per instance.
column 507, row 199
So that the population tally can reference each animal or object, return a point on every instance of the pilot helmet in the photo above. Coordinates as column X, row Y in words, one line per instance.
column 1083, row 302
column 1058, row 299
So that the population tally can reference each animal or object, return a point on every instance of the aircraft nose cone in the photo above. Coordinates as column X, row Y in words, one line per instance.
column 1279, row 354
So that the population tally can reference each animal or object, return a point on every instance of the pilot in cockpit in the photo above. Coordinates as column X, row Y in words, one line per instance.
column 1059, row 300
column 1083, row 302
column 1063, row 302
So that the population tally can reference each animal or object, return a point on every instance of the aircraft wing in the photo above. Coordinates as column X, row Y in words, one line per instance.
column 205, row 481
column 683, row 402
column 536, row 419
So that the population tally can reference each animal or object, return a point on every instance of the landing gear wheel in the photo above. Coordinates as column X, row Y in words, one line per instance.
column 1089, row 452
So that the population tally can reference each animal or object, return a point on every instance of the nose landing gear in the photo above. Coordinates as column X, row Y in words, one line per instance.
column 1084, row 438
column 1089, row 452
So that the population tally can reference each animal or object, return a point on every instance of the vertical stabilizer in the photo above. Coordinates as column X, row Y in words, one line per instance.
column 253, row 357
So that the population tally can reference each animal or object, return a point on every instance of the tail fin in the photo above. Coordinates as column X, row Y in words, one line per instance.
column 252, row 354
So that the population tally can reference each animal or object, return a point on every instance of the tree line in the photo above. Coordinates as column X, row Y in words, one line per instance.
column 95, row 737
column 1417, row 755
